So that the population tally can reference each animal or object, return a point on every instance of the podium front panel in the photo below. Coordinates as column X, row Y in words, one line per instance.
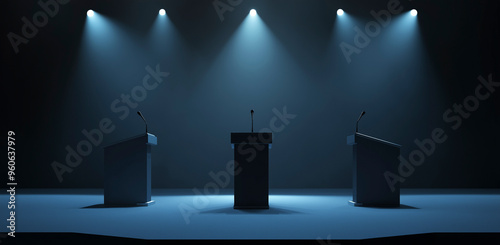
column 372, row 158
column 127, row 171
column 251, row 177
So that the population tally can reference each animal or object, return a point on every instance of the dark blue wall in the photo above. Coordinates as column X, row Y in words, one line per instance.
column 65, row 79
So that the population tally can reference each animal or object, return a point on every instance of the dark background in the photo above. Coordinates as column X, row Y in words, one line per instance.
column 65, row 78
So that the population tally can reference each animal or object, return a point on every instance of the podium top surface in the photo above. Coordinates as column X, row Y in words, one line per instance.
column 352, row 140
column 150, row 139
column 252, row 138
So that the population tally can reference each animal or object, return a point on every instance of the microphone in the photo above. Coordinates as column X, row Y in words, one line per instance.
column 360, row 116
column 140, row 114
column 251, row 112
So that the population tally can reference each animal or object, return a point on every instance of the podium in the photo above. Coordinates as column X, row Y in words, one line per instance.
column 372, row 158
column 251, row 169
column 127, row 171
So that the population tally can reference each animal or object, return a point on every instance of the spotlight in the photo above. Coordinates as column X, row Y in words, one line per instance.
column 413, row 12
column 340, row 12
column 162, row 12
column 90, row 13
column 253, row 12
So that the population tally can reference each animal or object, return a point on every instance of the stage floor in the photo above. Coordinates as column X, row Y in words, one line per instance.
column 293, row 214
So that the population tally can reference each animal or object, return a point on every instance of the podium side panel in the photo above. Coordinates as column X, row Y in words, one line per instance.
column 354, row 173
column 148, row 174
column 373, row 160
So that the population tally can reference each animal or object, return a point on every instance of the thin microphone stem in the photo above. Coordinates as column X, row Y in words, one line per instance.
column 144, row 119
column 145, row 123
column 251, row 112
column 357, row 122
